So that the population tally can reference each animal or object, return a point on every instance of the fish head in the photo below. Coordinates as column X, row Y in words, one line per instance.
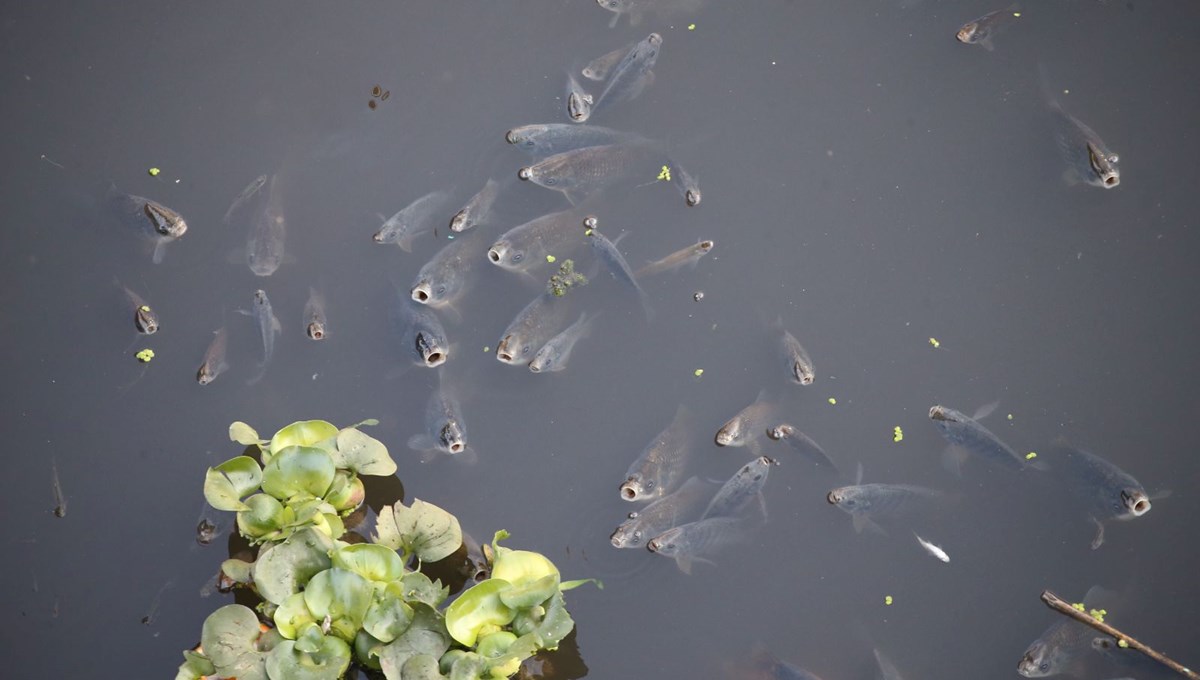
column 452, row 438
column 430, row 349
column 731, row 433
column 204, row 376
column 1104, row 164
column 389, row 233
column 166, row 222
column 654, row 40
column 704, row 246
column 145, row 319
column 969, row 33
column 206, row 531
column 316, row 330
column 579, row 106
column 461, row 220
column 692, row 196
column 424, row 292
column 665, row 543
column 847, row 498
column 1040, row 660
column 512, row 349
column 637, row 489
column 544, row 176
column 521, row 137
column 506, row 255
column 1134, row 503
column 618, row 6
column 780, row 432
column 542, row 361
column 943, row 414
column 626, row 536
column 802, row 373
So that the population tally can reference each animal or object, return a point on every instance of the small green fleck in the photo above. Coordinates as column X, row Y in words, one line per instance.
column 145, row 355
column 832, row 401
column 1078, row 606
column 1010, row 416
column 935, row 343
column 144, row 308
column 665, row 173
column 1098, row 614
column 154, row 172
column 588, row 232
column 1122, row 643
column 897, row 434
column 692, row 27
column 887, row 599
column 1030, row 456
column 551, row 259
column 487, row 349
column 698, row 372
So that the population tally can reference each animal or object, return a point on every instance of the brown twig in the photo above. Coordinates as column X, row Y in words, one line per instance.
column 1063, row 607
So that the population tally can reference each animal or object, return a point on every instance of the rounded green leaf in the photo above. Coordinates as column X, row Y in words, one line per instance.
column 495, row 645
column 478, row 608
column 238, row 571
column 229, row 638
column 530, row 593
column 298, row 470
column 469, row 666
column 262, row 515
column 421, row 667
column 370, row 561
column 388, row 618
column 227, row 483
column 342, row 596
column 309, row 638
column 303, row 433
column 244, row 434
column 424, row 530
column 283, row 568
column 520, row 567
column 285, row 662
column 194, row 667
column 292, row 615
column 363, row 454
column 425, row 635
column 366, row 649
column 346, row 492
column 418, row 588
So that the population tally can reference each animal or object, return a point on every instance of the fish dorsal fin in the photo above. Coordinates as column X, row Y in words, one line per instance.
column 985, row 410
column 858, row 474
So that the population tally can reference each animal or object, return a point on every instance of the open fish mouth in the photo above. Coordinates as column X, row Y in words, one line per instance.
column 420, row 293
column 316, row 331
column 1136, row 501
column 502, row 351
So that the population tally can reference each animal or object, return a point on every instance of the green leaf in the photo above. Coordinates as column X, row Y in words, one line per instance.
column 421, row 667
column 551, row 627
column 292, row 615
column 310, row 638
column 478, row 609
column 194, row 667
column 363, row 454
column 509, row 662
column 304, row 433
column 283, row 568
column 342, row 596
column 238, row 571
column 285, row 662
column 572, row 585
column 262, row 515
column 530, row 593
column 346, row 492
column 425, row 635
column 244, row 434
column 366, row 649
column 424, row 530
column 370, row 561
column 298, row 470
column 469, row 666
column 520, row 567
column 418, row 588
column 227, row 483
column 388, row 618
column 229, row 638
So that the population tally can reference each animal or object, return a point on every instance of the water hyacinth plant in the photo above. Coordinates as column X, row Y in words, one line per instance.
column 327, row 603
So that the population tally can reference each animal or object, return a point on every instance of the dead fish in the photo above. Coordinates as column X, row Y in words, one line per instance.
column 932, row 549
column 426, row 335
column 414, row 219
column 600, row 67
column 548, row 139
column 865, row 501
column 581, row 172
column 144, row 317
column 666, row 512
column 527, row 245
column 692, row 542
column 637, row 9
column 579, row 102
column 743, row 487
column 966, row 435
column 796, row 362
column 533, row 326
column 744, row 428
column 214, row 363
column 554, row 355
column 606, row 251
column 981, row 31
column 268, row 328
column 248, row 193
column 1089, row 160
column 315, row 326
column 631, row 75
column 477, row 209
column 268, row 233
column 444, row 279
column 157, row 223
column 661, row 463
column 60, row 501
column 1107, row 491
column 1060, row 645
column 445, row 431
column 688, row 256
column 801, row 442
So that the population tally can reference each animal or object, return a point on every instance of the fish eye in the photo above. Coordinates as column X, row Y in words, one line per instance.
column 525, row 173
column 1044, row 666
column 550, row 181
column 441, row 290
column 650, row 485
column 517, row 257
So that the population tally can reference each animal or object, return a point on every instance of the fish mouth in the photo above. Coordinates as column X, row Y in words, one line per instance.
column 459, row 219
column 834, row 497
column 723, row 438
column 535, row 367
column 617, row 540
column 653, row 545
column 496, row 253
column 629, row 492
column 511, row 137
column 693, row 197
column 654, row 39
column 435, row 358
column 525, row 173
column 316, row 331
column 1111, row 181
column 502, row 352
column 938, row 413
column 966, row 33
column 457, row 447
column 420, row 293
column 379, row 237
column 1136, row 501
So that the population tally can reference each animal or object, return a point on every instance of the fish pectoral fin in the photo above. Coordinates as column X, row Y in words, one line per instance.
column 952, row 459
column 685, row 563
column 575, row 196
column 159, row 251
column 861, row 522
column 420, row 442
column 762, row 506
column 1099, row 539
column 468, row 456
column 985, row 410
column 1160, row 494
column 276, row 327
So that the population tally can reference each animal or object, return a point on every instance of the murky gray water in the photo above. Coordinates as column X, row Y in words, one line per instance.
column 865, row 176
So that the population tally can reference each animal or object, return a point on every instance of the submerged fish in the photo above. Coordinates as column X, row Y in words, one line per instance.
column 268, row 231
column 865, row 501
column 414, row 219
column 443, row 280
column 158, row 223
column 477, row 209
column 967, row 436
column 527, row 245
column 688, row 256
column 581, row 172
column 744, row 428
column 554, row 355
column 60, row 501
column 268, row 328
column 666, row 512
column 248, row 193
column 144, row 317
column 1130, row 660
column 425, row 333
column 637, row 9
column 743, row 487
column 692, row 542
column 606, row 251
column 661, row 463
column 445, row 431
column 764, row 665
column 797, row 363
column 688, row 187
column 214, row 363
column 1107, row 491
column 1060, row 645
column 792, row 436
column 601, row 66
column 1088, row 158
column 887, row 670
column 315, row 325
column 552, row 138
column 932, row 549
column 980, row 31
column 629, row 77
column 579, row 102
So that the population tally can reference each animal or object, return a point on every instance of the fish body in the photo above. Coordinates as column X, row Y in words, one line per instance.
column 425, row 334
column 766, row 666
column 981, row 31
column 864, row 501
column 580, row 172
column 601, row 66
column 214, row 363
column 688, row 256
column 630, row 76
column 793, row 437
column 414, row 219
column 636, row 10
column 445, row 431
column 248, row 193
column 268, row 232
column 579, row 102
column 887, row 670
column 60, row 501
column 932, row 549
column 157, row 223
column 1107, row 491
column 533, row 326
column 669, row 511
column 315, row 324
column 966, row 434
column 694, row 541
column 744, row 428
column 1060, row 645
column 443, row 280
column 606, row 251
column 527, row 245
column 477, row 209
column 144, row 317
column 554, row 355
column 796, row 362
column 743, row 487
column 660, row 465
column 1089, row 160
column 549, row 139
column 268, row 328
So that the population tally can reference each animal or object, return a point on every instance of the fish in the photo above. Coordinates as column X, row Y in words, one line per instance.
column 967, row 436
column 581, row 172
column 1060, row 645
column 579, row 102
column 606, row 251
column 214, row 363
column 527, row 245
column 477, row 209
column 637, row 9
column 548, row 139
column 601, row 66
column 764, row 665
column 60, row 501
column 412, row 220
column 426, row 335
column 688, row 187
column 315, row 324
column 445, row 431
column 1089, row 160
column 792, row 436
column 447, row 275
column 865, row 501
column 208, row 530
column 144, row 317
column 743, row 487
column 554, row 355
column 687, row 256
column 268, row 232
column 660, row 465
column 691, row 542
column 887, row 670
column 932, row 549
column 744, row 428
column 796, row 362
column 1130, row 660
column 268, row 328
column 157, row 223
column 980, row 31
column 248, row 193
column 631, row 75
column 1107, row 491
column 533, row 326
column 654, row 519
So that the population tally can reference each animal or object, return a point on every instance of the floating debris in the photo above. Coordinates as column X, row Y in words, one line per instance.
column 551, row 259
column 692, row 27
column 897, row 434
column 1031, row 455
column 698, row 295
column 145, row 355
column 154, row 172
column 665, row 173
column 565, row 278
column 832, row 401
column 887, row 599
column 935, row 343
column 698, row 372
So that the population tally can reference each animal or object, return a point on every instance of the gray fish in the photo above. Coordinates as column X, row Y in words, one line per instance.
column 1060, row 645
column 606, row 251
column 477, row 209
column 581, row 172
column 637, row 9
column 425, row 333
column 887, row 670
column 552, row 138
column 268, row 231
column 981, row 31
column 966, row 435
column 661, row 463
column 158, row 223
column 144, row 317
column 268, row 327
column 688, row 256
column 445, row 431
column 214, row 363
column 1130, row 660
column 797, row 363
column 691, row 542
column 750, row 423
column 315, row 325
column 688, row 186
column 443, row 280
column 554, row 355
column 527, row 245
column 60, row 501
column 1089, row 159
column 666, row 512
column 248, row 193
column 630, row 76
column 533, row 326
column 864, row 501
column 209, row 526
column 414, row 219
column 766, row 666
column 743, row 487
column 793, row 437
column 601, row 66
column 579, row 102
column 1107, row 491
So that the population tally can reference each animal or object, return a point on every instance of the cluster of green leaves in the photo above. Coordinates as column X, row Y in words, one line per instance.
column 565, row 278
column 333, row 602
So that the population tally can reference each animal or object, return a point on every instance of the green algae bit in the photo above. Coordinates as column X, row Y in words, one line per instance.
column 565, row 279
